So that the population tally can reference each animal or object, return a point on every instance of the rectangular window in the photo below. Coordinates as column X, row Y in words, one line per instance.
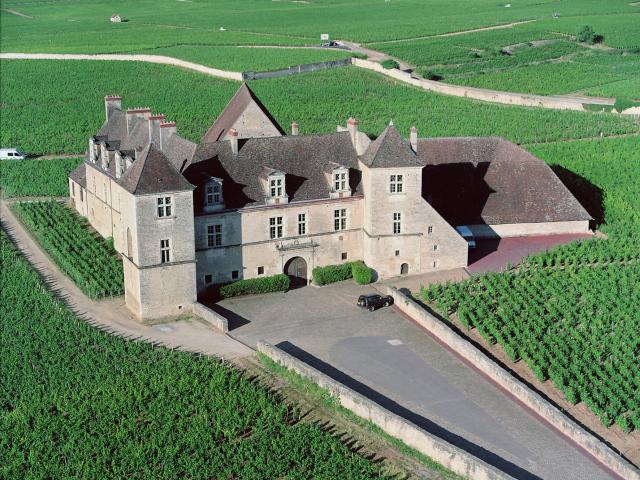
column 208, row 279
column 396, row 183
column 260, row 270
column 165, row 251
column 340, row 181
column 214, row 235
column 302, row 224
column 275, row 227
column 73, row 189
column 213, row 194
column 275, row 186
column 81, row 194
column 344, row 255
column 164, row 207
column 397, row 222
column 397, row 253
column 435, row 247
column 234, row 274
column 340, row 219
column 429, row 229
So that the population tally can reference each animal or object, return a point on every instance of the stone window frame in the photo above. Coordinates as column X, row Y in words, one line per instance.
column 340, row 179
column 165, row 250
column 260, row 270
column 340, row 217
column 396, row 183
column 277, row 185
column 165, row 206
column 214, row 235
column 302, row 223
column 397, row 223
column 276, row 227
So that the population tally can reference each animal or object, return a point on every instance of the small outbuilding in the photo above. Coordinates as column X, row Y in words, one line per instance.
column 115, row 18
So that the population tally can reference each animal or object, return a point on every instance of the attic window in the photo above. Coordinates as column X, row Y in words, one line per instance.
column 276, row 186
column 213, row 192
column 340, row 179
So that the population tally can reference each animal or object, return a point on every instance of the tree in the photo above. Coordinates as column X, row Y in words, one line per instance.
column 587, row 35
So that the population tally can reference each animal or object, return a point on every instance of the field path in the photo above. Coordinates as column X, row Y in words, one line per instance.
column 14, row 12
column 111, row 315
column 559, row 102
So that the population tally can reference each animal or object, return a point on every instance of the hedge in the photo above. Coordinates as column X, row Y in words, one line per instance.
column 275, row 283
column 337, row 273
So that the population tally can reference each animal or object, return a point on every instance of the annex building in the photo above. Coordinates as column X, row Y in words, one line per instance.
column 251, row 201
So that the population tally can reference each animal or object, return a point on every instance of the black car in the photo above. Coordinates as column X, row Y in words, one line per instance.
column 372, row 302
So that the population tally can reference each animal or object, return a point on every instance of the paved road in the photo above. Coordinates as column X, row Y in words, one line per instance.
column 111, row 315
column 389, row 359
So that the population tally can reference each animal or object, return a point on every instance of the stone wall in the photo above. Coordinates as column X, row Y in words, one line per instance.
column 525, row 229
column 517, row 389
column 217, row 321
column 448, row 455
column 294, row 70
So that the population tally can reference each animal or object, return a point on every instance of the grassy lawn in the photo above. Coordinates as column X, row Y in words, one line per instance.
column 79, row 403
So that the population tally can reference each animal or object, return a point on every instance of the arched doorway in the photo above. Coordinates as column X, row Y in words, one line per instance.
column 404, row 269
column 296, row 270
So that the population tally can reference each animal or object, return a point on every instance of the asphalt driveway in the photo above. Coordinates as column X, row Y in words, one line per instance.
column 386, row 357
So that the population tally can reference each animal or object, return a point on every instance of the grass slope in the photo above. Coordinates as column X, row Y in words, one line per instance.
column 78, row 403
column 68, row 112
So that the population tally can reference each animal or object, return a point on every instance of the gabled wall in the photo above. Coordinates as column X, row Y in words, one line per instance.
column 253, row 122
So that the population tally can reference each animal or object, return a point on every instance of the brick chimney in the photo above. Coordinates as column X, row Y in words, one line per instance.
column 352, row 127
column 413, row 138
column 111, row 104
column 166, row 130
column 294, row 129
column 133, row 113
column 233, row 138
column 154, row 128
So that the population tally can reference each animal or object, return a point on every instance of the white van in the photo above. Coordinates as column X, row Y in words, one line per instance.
column 465, row 232
column 12, row 154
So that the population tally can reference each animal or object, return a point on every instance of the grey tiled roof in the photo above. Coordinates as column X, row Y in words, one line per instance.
column 153, row 172
column 493, row 181
column 79, row 175
column 178, row 150
column 238, row 103
column 390, row 150
column 302, row 158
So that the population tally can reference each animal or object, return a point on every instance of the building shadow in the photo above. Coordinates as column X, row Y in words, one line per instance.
column 235, row 320
column 589, row 195
column 420, row 421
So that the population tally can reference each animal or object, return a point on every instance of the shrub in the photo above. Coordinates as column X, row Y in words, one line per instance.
column 586, row 34
column 624, row 103
column 429, row 75
column 275, row 283
column 362, row 274
column 331, row 274
column 389, row 63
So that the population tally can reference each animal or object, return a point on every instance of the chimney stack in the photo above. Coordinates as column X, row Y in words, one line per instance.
column 133, row 113
column 413, row 138
column 137, row 152
column 119, row 164
column 294, row 129
column 233, row 138
column 92, row 150
column 104, row 156
column 352, row 127
column 154, row 128
column 111, row 104
column 166, row 130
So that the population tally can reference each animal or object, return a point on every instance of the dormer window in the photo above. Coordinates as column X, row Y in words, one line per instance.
column 275, row 186
column 339, row 181
column 213, row 194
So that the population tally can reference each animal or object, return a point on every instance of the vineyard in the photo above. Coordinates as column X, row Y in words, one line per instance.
column 79, row 403
column 30, row 178
column 317, row 101
column 571, row 313
column 84, row 256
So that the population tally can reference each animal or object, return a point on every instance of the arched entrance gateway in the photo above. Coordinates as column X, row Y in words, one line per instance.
column 404, row 269
column 296, row 270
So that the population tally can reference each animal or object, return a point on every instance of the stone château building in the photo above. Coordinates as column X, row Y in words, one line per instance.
column 251, row 201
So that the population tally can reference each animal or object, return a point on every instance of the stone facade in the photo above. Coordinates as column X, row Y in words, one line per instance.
column 249, row 201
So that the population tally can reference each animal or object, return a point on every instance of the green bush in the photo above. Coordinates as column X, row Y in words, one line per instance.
column 362, row 274
column 331, row 274
column 389, row 64
column 253, row 286
column 586, row 34
column 624, row 103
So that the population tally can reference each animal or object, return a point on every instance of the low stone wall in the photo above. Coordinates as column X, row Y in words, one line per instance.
column 516, row 388
column 216, row 320
column 450, row 456
column 308, row 67
column 494, row 96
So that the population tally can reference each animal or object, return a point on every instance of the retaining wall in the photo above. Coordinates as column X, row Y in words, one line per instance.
column 216, row 320
column 308, row 67
column 494, row 96
column 450, row 456
column 516, row 388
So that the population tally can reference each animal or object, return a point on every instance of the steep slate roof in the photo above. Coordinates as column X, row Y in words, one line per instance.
column 493, row 181
column 240, row 101
column 390, row 150
column 178, row 150
column 302, row 158
column 79, row 175
column 153, row 172
column 115, row 129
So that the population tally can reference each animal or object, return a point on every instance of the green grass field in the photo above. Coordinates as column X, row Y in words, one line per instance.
column 67, row 113
column 28, row 178
column 80, row 403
